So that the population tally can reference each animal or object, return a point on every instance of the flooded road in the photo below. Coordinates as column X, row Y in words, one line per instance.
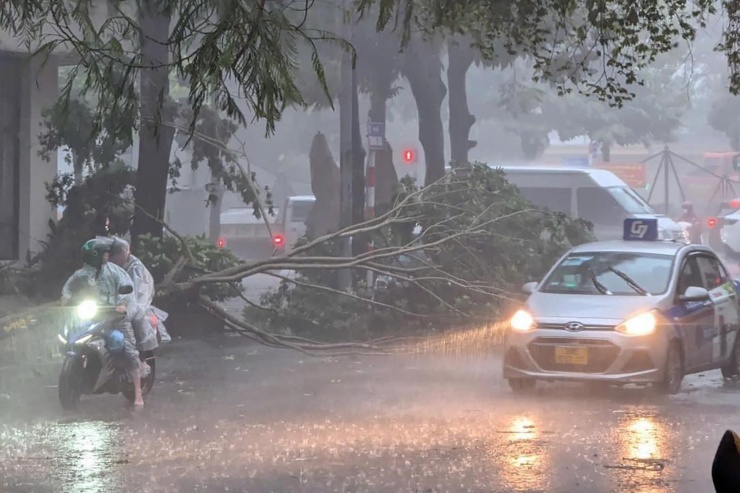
column 226, row 415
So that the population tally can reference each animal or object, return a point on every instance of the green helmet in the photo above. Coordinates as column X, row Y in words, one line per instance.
column 92, row 252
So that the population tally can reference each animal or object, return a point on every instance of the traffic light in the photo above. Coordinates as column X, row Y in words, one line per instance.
column 409, row 156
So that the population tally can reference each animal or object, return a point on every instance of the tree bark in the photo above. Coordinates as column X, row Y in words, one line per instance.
column 360, row 243
column 423, row 69
column 156, row 132
column 606, row 151
column 461, row 121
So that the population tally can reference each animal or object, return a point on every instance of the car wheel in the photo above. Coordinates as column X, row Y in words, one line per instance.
column 673, row 374
column 730, row 369
column 522, row 384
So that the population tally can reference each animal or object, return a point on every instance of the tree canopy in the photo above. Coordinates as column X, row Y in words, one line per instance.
column 247, row 49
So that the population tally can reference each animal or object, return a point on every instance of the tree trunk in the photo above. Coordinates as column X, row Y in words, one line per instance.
column 606, row 152
column 156, row 132
column 461, row 121
column 423, row 69
column 360, row 243
column 77, row 167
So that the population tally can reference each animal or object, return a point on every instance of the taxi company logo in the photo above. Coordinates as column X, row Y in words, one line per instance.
column 639, row 229
column 574, row 326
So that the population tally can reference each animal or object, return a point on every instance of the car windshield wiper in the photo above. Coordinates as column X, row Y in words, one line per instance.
column 630, row 282
column 599, row 287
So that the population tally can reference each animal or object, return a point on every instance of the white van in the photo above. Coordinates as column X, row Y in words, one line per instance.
column 291, row 222
column 595, row 195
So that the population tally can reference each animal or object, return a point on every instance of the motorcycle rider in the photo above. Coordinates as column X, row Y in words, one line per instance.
column 108, row 278
column 690, row 216
column 120, row 254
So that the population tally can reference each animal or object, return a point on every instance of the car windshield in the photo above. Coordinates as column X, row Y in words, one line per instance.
column 599, row 273
column 632, row 203
column 301, row 210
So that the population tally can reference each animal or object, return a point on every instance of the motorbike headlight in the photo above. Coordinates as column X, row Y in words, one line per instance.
column 522, row 321
column 87, row 309
column 639, row 325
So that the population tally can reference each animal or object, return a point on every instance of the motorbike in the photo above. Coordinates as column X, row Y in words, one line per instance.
column 693, row 230
column 88, row 337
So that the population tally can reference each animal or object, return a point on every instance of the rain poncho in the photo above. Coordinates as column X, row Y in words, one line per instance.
column 110, row 278
column 108, row 281
column 144, row 292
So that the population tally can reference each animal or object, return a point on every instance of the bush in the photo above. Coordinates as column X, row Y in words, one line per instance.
column 507, row 242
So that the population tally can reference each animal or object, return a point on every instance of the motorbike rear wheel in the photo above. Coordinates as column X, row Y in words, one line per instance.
column 146, row 383
column 70, row 384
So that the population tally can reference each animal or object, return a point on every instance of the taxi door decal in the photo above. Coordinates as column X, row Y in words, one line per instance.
column 724, row 308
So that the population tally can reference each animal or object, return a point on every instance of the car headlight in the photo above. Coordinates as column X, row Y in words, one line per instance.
column 639, row 325
column 87, row 309
column 522, row 321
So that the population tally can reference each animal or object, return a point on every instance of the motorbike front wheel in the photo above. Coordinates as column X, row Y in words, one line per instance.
column 70, row 383
column 146, row 383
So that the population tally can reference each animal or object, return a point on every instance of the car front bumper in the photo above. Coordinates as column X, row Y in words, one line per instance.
column 609, row 356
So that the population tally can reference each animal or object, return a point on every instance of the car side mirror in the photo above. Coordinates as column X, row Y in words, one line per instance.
column 529, row 287
column 125, row 290
column 694, row 293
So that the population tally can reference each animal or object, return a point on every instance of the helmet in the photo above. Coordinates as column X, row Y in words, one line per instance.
column 114, row 341
column 92, row 252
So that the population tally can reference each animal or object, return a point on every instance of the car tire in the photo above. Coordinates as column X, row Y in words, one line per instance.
column 730, row 369
column 519, row 385
column 673, row 374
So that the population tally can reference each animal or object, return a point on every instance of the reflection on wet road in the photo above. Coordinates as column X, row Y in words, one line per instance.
column 229, row 417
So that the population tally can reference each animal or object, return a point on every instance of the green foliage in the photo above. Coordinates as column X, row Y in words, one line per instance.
column 209, row 144
column 724, row 118
column 102, row 194
column 161, row 254
column 479, row 242
column 71, row 123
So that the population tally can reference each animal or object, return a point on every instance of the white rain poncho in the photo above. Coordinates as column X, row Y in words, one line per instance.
column 144, row 292
column 110, row 278
column 107, row 282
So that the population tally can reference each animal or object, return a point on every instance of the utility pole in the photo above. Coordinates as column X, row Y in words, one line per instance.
column 347, row 111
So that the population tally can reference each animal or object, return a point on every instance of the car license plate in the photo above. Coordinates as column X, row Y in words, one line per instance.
column 571, row 355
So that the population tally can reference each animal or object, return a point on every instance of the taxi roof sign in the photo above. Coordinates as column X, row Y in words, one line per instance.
column 640, row 229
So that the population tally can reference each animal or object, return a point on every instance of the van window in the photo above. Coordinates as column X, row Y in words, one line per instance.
column 630, row 200
column 597, row 205
column 301, row 210
column 555, row 199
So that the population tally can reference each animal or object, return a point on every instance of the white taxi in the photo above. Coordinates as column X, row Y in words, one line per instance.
column 635, row 311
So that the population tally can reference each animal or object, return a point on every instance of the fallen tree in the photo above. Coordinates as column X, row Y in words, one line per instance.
column 476, row 241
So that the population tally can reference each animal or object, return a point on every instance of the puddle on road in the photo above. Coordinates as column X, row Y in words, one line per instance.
column 80, row 456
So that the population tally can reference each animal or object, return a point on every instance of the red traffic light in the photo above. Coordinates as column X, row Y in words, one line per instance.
column 278, row 240
column 409, row 156
column 712, row 222
column 221, row 243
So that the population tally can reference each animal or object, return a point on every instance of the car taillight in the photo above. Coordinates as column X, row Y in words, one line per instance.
column 712, row 222
column 278, row 240
column 221, row 243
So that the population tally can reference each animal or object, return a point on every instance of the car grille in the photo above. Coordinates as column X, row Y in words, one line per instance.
column 561, row 326
column 601, row 354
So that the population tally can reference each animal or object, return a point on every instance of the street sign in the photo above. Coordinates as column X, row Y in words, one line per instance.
column 633, row 174
column 376, row 135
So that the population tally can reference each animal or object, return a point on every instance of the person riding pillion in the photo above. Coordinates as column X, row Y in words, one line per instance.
column 121, row 255
column 107, row 278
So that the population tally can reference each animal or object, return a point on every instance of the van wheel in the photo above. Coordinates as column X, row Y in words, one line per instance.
column 519, row 385
column 730, row 369
column 673, row 374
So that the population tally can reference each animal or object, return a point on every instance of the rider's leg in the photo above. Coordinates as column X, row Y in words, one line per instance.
column 133, row 362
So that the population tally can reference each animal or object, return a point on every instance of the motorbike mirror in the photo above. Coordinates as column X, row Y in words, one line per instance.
column 125, row 290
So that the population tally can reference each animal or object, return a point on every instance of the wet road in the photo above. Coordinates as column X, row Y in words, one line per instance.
column 230, row 416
